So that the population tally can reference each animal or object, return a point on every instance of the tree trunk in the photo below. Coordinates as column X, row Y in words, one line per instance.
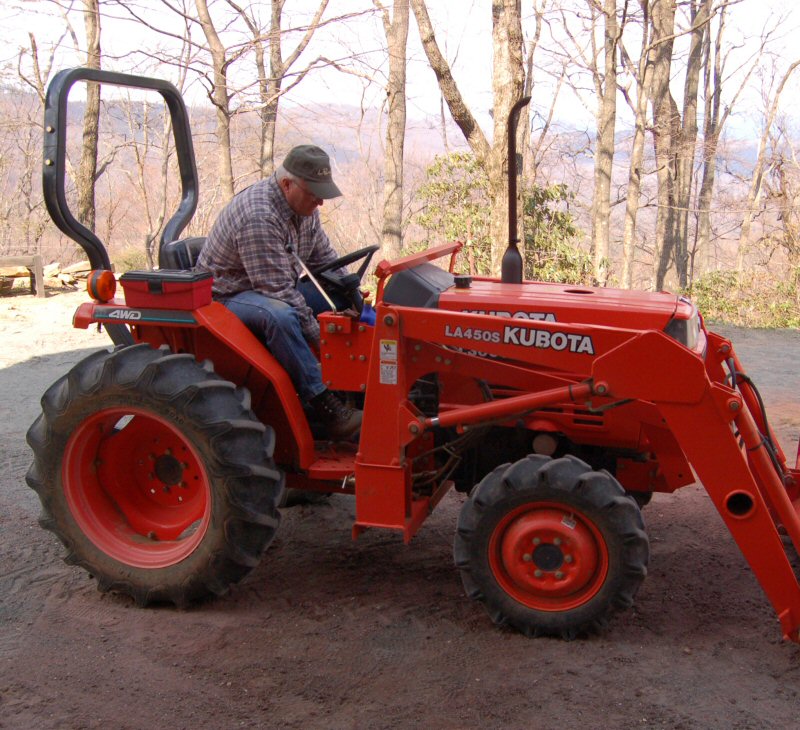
column 634, row 191
column 87, row 170
column 665, row 134
column 397, row 36
column 604, row 151
column 507, row 84
column 711, row 131
column 756, row 185
column 687, row 141
column 219, row 98
column 272, row 90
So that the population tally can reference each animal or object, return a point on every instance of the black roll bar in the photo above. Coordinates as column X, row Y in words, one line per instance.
column 54, row 170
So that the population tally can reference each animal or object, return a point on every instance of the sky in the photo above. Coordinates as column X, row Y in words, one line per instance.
column 463, row 29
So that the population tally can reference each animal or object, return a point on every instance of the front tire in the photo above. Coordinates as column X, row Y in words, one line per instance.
column 155, row 474
column 551, row 547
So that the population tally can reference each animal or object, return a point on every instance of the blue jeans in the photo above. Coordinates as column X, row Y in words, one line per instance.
column 316, row 301
column 277, row 325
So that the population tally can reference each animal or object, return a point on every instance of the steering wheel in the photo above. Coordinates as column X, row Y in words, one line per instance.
column 346, row 285
column 349, row 258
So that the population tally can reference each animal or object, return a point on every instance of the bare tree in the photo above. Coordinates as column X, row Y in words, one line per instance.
column 675, row 135
column 641, row 73
column 507, row 86
column 143, row 120
column 756, row 185
column 271, row 81
column 396, row 36
column 714, row 118
column 606, row 89
column 700, row 15
column 665, row 131
column 87, row 170
column 219, row 96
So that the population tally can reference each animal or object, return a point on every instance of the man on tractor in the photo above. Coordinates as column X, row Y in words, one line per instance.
column 255, row 252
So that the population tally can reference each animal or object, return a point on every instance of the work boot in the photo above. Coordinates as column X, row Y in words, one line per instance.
column 340, row 420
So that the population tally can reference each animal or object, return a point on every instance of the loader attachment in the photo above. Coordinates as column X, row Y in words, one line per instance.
column 716, row 415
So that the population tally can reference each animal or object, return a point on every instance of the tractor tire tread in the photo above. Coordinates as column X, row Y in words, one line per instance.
column 237, row 454
column 536, row 478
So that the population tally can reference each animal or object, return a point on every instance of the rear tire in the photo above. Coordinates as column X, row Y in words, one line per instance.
column 551, row 547
column 155, row 474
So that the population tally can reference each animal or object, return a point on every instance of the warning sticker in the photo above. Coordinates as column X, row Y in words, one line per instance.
column 388, row 351
column 389, row 373
column 388, row 355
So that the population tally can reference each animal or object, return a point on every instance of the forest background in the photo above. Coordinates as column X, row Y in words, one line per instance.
column 659, row 150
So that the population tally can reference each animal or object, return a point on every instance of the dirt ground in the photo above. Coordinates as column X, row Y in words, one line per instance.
column 328, row 633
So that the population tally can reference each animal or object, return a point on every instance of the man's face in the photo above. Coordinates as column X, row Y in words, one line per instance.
column 300, row 199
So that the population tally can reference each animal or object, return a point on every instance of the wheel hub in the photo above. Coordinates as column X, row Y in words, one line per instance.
column 168, row 469
column 548, row 556
column 136, row 487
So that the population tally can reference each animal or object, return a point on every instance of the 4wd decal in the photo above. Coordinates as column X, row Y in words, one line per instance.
column 172, row 316
column 127, row 314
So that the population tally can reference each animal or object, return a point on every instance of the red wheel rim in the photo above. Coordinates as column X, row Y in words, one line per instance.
column 136, row 487
column 548, row 557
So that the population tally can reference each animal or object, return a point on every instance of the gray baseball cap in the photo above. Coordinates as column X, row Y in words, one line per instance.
column 312, row 164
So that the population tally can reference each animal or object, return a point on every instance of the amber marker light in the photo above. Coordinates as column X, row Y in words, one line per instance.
column 101, row 285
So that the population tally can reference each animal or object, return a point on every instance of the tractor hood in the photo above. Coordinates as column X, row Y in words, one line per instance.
column 567, row 303
column 427, row 285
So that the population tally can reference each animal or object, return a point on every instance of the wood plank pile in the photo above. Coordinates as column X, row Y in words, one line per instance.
column 56, row 276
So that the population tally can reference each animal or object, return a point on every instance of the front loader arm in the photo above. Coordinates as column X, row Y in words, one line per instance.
column 724, row 442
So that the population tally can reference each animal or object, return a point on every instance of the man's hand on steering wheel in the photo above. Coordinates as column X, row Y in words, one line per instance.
column 346, row 284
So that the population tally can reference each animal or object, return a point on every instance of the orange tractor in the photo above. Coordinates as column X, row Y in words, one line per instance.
column 161, row 464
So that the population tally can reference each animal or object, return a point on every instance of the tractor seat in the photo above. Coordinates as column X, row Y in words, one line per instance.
column 181, row 254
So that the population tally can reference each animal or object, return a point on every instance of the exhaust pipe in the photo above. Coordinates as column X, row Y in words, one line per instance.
column 511, row 265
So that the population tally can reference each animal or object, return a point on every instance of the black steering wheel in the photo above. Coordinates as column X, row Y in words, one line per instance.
column 346, row 285
column 349, row 258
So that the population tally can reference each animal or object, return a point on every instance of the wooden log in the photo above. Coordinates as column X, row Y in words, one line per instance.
column 35, row 270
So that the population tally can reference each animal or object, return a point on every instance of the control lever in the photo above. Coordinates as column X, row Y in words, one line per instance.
column 290, row 250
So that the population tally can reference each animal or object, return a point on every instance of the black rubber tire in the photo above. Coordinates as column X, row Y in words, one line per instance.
column 231, row 456
column 611, row 523
column 641, row 498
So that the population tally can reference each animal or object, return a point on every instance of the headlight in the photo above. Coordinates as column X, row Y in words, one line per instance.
column 685, row 330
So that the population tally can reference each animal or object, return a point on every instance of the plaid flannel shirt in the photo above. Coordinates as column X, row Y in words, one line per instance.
column 245, row 249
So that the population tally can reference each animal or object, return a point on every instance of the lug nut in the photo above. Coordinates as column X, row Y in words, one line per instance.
column 559, row 575
column 538, row 573
column 537, row 540
column 557, row 541
column 568, row 558
column 527, row 557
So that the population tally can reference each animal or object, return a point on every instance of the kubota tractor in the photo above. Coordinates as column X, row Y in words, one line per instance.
column 161, row 463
